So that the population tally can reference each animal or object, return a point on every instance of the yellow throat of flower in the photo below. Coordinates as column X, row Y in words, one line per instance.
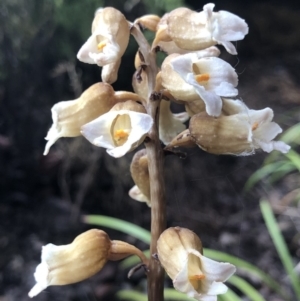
column 202, row 78
column 121, row 136
column 101, row 45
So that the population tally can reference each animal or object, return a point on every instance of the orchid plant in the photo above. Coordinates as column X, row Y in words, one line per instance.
column 193, row 75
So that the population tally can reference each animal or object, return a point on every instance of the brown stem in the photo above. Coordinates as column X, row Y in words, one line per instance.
column 155, row 159
column 158, row 206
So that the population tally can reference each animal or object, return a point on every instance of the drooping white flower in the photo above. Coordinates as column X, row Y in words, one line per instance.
column 109, row 39
column 69, row 116
column 61, row 265
column 118, row 131
column 239, row 132
column 206, row 78
column 193, row 31
column 179, row 251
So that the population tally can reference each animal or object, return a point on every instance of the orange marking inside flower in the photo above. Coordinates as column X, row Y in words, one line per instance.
column 197, row 277
column 120, row 135
column 254, row 126
column 200, row 78
column 101, row 45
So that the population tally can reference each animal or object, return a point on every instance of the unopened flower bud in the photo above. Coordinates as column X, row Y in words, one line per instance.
column 181, row 140
column 180, row 253
column 69, row 116
column 67, row 264
column 140, row 174
column 148, row 21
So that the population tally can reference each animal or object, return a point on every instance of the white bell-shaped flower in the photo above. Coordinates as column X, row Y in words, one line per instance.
column 118, row 131
column 109, row 39
column 206, row 78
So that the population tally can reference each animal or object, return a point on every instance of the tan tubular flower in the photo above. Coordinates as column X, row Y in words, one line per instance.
column 180, row 253
column 206, row 78
column 170, row 124
column 109, row 39
column 140, row 174
column 69, row 116
column 239, row 134
column 67, row 264
column 120, row 130
column 195, row 31
column 81, row 259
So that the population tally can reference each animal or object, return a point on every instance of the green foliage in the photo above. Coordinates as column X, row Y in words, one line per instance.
column 242, row 266
column 280, row 245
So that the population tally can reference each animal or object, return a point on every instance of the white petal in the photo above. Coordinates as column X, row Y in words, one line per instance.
column 55, row 132
column 137, row 195
column 226, row 90
column 169, row 125
column 90, row 46
column 141, row 125
column 213, row 102
column 267, row 131
column 220, row 73
column 98, row 132
column 41, row 277
column 109, row 55
column 228, row 27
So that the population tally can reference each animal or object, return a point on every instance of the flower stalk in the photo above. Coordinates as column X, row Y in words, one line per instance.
column 155, row 159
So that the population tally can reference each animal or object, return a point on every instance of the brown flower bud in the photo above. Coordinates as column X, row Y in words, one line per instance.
column 148, row 21
column 182, row 140
column 140, row 174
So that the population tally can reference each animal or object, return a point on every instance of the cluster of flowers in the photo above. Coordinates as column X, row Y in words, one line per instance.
column 192, row 75
column 179, row 251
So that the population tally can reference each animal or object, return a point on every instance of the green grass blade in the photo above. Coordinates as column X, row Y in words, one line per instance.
column 246, row 288
column 120, row 225
column 284, row 169
column 172, row 294
column 131, row 295
column 291, row 135
column 262, row 173
column 248, row 268
column 230, row 296
column 280, row 245
column 169, row 294
column 294, row 158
